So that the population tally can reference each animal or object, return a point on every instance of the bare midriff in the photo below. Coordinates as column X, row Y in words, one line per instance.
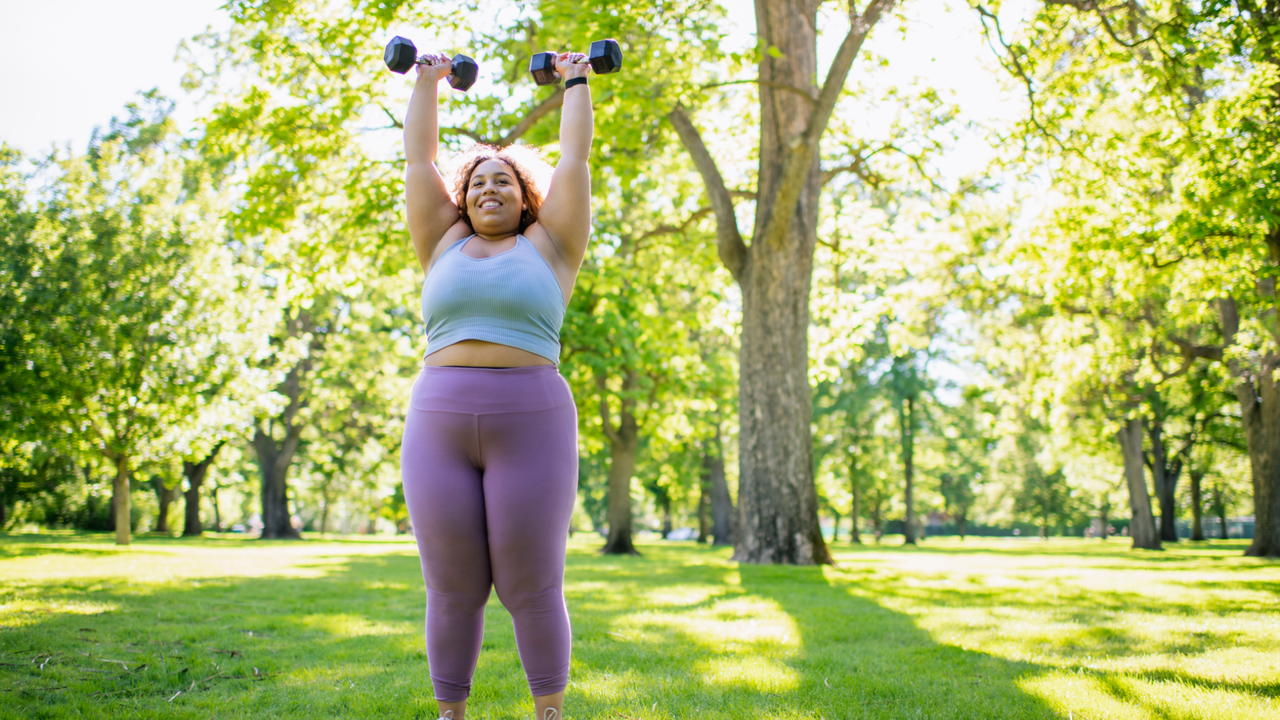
column 478, row 353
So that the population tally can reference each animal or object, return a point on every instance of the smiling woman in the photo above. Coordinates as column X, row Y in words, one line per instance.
column 490, row 452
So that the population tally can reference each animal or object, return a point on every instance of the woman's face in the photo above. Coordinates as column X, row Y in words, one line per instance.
column 494, row 200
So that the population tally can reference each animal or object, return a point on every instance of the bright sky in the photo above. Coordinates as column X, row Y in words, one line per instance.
column 71, row 65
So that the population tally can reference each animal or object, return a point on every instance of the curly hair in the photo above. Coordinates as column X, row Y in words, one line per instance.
column 531, row 170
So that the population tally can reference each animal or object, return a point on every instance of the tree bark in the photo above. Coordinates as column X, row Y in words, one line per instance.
column 1260, row 413
column 1220, row 504
column 722, row 511
column 1196, row 477
column 120, row 500
column 275, row 457
column 624, row 446
column 195, row 474
column 1259, row 399
column 855, row 504
column 1165, row 479
column 704, row 508
column 217, row 512
column 1142, row 527
column 874, row 515
column 1104, row 517
column 164, row 497
column 906, row 424
column 622, row 466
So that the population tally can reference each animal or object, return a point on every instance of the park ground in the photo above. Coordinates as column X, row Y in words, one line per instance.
column 233, row 628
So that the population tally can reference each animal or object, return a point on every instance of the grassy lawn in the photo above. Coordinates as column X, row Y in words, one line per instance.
column 226, row 628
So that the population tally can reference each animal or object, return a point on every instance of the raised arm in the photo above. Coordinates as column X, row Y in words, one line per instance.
column 566, row 212
column 430, row 208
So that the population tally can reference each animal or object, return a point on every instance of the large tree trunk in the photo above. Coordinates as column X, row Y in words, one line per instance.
column 1260, row 415
column 1165, row 479
column 722, row 510
column 906, row 422
column 120, row 500
column 1197, row 503
column 195, row 474
column 777, row 500
column 1260, row 412
column 776, row 494
column 1142, row 528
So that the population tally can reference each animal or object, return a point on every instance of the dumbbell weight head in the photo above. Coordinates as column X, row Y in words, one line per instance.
column 464, row 72
column 400, row 55
column 605, row 56
column 543, row 68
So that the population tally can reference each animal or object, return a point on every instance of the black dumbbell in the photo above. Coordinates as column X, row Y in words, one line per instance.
column 401, row 55
column 605, row 57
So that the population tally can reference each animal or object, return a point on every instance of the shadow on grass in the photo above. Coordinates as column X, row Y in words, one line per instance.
column 678, row 633
column 663, row 639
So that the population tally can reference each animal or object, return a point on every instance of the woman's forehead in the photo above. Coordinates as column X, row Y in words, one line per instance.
column 492, row 166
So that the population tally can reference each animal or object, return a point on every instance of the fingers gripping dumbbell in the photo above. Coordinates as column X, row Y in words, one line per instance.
column 605, row 57
column 401, row 55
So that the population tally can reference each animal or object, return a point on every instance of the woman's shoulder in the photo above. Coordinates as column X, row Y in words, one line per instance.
column 452, row 238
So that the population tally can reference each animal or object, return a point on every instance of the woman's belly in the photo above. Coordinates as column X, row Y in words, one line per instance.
column 478, row 353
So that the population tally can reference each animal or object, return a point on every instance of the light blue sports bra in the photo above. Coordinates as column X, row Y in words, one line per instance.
column 512, row 298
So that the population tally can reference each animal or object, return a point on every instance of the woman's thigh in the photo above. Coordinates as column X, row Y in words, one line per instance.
column 530, row 485
column 445, row 496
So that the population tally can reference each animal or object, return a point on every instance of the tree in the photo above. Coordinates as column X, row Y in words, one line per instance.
column 777, row 499
column 134, row 293
column 1197, row 87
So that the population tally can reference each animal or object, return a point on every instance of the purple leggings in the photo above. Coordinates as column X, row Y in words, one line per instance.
column 490, row 470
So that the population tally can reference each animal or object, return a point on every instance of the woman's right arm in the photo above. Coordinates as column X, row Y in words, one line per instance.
column 431, row 210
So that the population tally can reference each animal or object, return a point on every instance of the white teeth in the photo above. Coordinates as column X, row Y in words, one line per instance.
column 489, row 204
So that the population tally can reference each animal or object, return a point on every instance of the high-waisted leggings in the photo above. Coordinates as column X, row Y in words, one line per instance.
column 490, row 469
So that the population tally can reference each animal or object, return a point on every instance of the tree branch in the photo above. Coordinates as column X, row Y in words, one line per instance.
column 805, row 153
column 553, row 101
column 766, row 83
column 733, row 251
column 531, row 118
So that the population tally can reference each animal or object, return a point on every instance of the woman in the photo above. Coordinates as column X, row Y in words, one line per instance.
column 490, row 454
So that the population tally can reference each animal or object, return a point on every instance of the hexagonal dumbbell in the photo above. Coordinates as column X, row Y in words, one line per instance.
column 605, row 57
column 401, row 55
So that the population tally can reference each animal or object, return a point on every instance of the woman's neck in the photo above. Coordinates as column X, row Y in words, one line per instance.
column 497, row 237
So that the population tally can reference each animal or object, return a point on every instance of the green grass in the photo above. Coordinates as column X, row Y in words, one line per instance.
column 226, row 628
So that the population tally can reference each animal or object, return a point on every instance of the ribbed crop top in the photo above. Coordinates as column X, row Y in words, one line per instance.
column 512, row 298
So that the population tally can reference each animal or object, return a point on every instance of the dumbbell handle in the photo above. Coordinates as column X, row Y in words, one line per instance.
column 459, row 82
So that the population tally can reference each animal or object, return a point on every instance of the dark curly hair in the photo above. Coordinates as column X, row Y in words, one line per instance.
column 530, row 169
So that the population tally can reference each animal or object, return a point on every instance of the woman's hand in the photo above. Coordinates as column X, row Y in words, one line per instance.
column 571, row 65
column 437, row 67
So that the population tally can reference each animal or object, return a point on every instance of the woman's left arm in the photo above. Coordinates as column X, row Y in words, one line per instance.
column 566, row 212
